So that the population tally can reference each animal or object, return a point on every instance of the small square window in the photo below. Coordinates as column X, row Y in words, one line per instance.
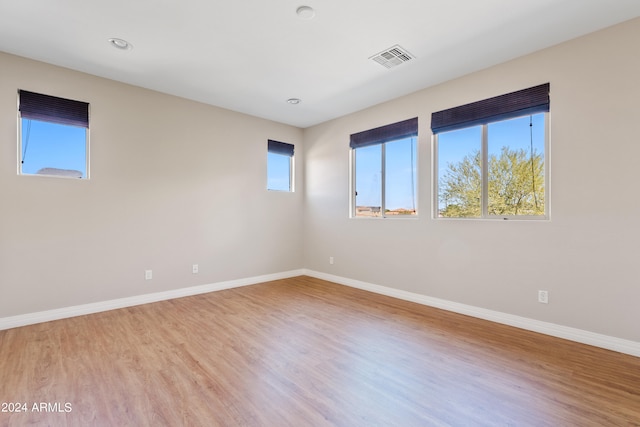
column 53, row 137
column 279, row 166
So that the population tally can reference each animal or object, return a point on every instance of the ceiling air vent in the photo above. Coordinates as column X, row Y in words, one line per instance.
column 392, row 57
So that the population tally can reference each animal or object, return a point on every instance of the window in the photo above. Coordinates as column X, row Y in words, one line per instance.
column 491, row 157
column 279, row 166
column 384, row 170
column 53, row 135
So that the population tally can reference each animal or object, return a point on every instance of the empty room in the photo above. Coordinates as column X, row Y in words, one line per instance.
column 319, row 213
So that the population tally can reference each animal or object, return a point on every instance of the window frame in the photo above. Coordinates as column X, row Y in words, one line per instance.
column 381, row 136
column 287, row 150
column 484, row 170
column 521, row 103
column 52, row 110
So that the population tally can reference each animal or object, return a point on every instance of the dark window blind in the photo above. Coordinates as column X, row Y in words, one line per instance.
column 515, row 104
column 382, row 134
column 53, row 109
column 277, row 147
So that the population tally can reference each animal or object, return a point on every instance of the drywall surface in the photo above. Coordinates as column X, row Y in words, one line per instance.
column 172, row 183
column 585, row 255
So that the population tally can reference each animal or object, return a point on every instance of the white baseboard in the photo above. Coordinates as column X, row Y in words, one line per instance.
column 585, row 337
column 578, row 335
column 80, row 310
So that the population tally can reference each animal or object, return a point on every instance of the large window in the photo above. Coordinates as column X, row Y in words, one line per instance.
column 384, row 170
column 491, row 157
column 279, row 166
column 53, row 136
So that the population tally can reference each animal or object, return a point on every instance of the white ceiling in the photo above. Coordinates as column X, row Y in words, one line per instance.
column 252, row 55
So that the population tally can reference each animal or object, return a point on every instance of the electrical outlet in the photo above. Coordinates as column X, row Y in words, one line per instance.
column 195, row 269
column 543, row 297
column 331, row 260
column 148, row 274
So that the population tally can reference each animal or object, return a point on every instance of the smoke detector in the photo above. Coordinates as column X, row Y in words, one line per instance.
column 392, row 57
column 305, row 12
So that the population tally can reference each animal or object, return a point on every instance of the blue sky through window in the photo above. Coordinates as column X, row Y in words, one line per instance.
column 368, row 175
column 400, row 175
column 52, row 145
column 278, row 172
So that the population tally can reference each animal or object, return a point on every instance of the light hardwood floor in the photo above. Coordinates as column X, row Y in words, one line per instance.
column 305, row 352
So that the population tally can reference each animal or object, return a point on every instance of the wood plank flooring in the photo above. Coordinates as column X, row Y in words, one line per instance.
column 305, row 352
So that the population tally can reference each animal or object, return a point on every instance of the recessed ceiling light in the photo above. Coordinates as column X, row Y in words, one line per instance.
column 294, row 101
column 305, row 12
column 120, row 44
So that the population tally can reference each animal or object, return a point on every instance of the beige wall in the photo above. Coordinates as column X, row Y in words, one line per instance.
column 586, row 256
column 173, row 183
